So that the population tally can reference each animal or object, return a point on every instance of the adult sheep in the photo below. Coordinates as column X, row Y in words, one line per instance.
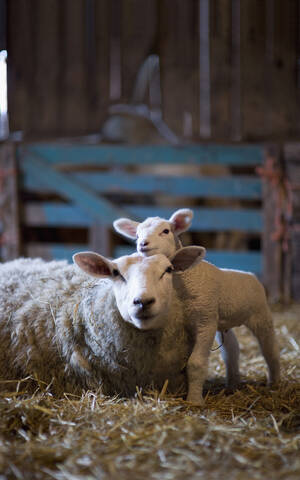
column 216, row 300
column 61, row 325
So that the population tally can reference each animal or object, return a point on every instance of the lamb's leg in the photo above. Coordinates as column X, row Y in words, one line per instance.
column 230, row 352
column 262, row 327
column 198, row 362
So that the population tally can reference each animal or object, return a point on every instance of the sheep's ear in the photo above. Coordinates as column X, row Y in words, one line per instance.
column 93, row 264
column 181, row 220
column 187, row 257
column 126, row 227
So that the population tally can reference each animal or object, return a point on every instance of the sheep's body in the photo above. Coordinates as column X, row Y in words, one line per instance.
column 58, row 323
column 216, row 300
column 220, row 299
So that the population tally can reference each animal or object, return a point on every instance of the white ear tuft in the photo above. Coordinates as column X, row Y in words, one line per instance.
column 187, row 257
column 126, row 227
column 181, row 220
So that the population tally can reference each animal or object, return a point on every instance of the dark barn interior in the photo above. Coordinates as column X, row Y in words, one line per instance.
column 136, row 108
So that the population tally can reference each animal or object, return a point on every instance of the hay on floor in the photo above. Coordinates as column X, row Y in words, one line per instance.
column 251, row 433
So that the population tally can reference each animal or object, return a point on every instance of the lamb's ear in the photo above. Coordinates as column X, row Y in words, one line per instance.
column 94, row 264
column 187, row 257
column 181, row 220
column 126, row 227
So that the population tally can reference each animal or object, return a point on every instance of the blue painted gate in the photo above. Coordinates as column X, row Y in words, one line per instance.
column 86, row 179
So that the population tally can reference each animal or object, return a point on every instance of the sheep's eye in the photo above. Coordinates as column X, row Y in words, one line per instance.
column 169, row 270
column 116, row 274
column 166, row 230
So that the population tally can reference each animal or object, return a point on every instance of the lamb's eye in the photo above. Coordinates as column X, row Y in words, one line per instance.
column 169, row 270
column 166, row 230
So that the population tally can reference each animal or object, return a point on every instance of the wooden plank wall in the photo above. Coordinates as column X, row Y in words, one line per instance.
column 229, row 68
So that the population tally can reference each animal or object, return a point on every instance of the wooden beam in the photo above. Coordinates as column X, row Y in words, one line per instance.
column 205, row 219
column 100, row 239
column 241, row 187
column 271, row 248
column 116, row 156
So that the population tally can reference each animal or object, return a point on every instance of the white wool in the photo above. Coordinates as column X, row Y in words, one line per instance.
column 60, row 325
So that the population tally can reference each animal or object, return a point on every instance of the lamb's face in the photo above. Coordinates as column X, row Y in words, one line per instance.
column 156, row 235
column 143, row 290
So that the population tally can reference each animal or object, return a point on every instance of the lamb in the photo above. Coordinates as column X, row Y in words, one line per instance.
column 217, row 300
column 101, row 325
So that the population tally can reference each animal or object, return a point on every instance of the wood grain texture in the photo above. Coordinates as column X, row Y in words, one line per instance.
column 9, row 204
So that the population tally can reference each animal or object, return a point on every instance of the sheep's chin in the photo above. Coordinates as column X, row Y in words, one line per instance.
column 152, row 323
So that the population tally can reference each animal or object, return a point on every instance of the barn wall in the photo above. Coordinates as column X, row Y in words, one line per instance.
column 229, row 68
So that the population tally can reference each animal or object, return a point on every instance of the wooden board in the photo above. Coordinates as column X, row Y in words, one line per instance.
column 178, row 50
column 206, row 219
column 108, row 155
column 220, row 44
column 137, row 32
column 98, row 61
column 271, row 248
column 9, row 207
column 73, row 99
column 292, row 257
column 45, row 105
column 253, row 69
column 20, row 64
column 283, row 103
column 244, row 187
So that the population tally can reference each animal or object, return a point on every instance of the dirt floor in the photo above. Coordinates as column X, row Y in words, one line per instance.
column 253, row 433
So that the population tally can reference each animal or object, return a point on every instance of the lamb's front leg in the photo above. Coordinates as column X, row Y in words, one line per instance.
column 198, row 362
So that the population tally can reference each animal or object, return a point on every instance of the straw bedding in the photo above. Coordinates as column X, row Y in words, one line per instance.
column 253, row 432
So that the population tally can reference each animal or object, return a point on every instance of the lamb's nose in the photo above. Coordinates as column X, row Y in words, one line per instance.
column 144, row 243
column 143, row 302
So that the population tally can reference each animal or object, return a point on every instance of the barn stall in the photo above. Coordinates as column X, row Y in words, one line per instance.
column 136, row 108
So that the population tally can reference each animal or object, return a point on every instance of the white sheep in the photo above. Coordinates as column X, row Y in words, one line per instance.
column 217, row 300
column 60, row 325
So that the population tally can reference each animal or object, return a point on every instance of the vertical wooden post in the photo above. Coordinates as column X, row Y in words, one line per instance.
column 100, row 240
column 292, row 256
column 271, row 248
column 9, row 209
column 204, row 67
column 236, row 115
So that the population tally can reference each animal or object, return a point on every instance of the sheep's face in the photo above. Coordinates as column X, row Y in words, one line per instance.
column 142, row 285
column 143, row 290
column 156, row 235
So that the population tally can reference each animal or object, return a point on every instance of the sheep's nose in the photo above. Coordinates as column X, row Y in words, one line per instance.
column 144, row 243
column 143, row 302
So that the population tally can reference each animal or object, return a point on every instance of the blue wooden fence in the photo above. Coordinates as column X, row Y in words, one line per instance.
column 85, row 176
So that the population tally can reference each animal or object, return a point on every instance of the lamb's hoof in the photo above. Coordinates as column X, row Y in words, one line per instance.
column 195, row 401
column 273, row 383
column 232, row 387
